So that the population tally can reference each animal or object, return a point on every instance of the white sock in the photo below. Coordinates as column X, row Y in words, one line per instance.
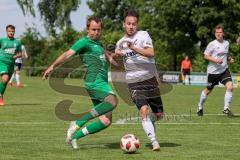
column 149, row 129
column 227, row 99
column 18, row 79
column 202, row 100
column 12, row 78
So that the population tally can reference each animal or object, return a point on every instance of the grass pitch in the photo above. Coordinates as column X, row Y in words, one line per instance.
column 30, row 130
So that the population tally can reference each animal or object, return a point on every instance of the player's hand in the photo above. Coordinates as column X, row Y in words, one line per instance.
column 110, row 56
column 219, row 61
column 15, row 57
column 130, row 45
column 18, row 55
column 118, row 53
column 231, row 60
column 47, row 72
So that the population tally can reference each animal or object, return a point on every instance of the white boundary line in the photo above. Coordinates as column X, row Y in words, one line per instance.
column 123, row 123
column 126, row 121
column 27, row 123
column 180, row 123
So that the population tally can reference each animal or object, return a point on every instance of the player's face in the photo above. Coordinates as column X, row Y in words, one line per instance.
column 10, row 32
column 219, row 34
column 130, row 25
column 94, row 30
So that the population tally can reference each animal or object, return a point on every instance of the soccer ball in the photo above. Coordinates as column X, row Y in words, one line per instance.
column 129, row 143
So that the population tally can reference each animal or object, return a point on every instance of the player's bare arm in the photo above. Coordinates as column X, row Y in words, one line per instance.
column 147, row 51
column 24, row 55
column 110, row 57
column 212, row 59
column 60, row 60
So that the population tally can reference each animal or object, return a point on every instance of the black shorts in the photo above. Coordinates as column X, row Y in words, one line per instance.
column 186, row 72
column 18, row 66
column 214, row 79
column 146, row 93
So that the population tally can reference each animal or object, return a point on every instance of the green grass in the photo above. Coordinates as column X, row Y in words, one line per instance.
column 30, row 130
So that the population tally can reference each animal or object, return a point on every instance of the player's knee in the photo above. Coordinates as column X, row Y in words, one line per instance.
column 107, row 121
column 208, row 90
column 112, row 100
column 229, row 86
column 5, row 78
column 144, row 111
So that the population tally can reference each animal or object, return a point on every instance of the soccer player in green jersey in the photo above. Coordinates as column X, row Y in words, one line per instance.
column 93, row 56
column 10, row 49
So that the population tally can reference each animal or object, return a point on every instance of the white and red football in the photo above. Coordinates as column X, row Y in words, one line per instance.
column 129, row 143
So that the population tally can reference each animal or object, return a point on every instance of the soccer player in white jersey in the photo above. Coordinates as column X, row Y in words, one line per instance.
column 17, row 68
column 217, row 55
column 137, row 51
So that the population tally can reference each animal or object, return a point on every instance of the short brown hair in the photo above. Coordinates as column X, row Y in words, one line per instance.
column 219, row 26
column 10, row 26
column 93, row 18
column 131, row 13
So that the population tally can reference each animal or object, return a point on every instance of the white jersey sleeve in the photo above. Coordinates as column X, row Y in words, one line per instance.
column 24, row 52
column 147, row 41
column 209, row 49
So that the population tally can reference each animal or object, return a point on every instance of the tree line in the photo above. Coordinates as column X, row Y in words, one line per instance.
column 178, row 28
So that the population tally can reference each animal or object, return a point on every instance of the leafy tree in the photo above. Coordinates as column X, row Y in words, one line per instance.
column 27, row 6
column 55, row 13
column 175, row 26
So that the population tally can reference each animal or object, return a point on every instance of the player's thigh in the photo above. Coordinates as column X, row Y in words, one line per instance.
column 18, row 67
column 226, row 79
column 102, row 92
column 213, row 80
column 6, row 72
column 156, row 104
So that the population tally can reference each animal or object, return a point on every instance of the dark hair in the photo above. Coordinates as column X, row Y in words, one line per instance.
column 219, row 26
column 10, row 26
column 131, row 13
column 93, row 18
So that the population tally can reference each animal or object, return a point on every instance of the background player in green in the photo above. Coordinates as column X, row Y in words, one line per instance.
column 96, row 82
column 10, row 49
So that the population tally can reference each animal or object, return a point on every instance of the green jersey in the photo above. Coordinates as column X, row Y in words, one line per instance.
column 92, row 54
column 8, row 48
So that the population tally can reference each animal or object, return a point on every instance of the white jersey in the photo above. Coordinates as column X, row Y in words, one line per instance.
column 24, row 55
column 138, row 68
column 217, row 50
column 19, row 60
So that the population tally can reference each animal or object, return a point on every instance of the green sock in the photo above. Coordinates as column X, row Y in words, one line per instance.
column 98, row 110
column 91, row 128
column 2, row 87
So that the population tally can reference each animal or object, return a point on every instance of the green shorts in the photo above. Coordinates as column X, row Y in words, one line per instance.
column 99, row 91
column 6, row 68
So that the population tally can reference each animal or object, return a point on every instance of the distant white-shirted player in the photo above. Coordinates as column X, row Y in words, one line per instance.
column 217, row 55
column 137, row 51
column 17, row 68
